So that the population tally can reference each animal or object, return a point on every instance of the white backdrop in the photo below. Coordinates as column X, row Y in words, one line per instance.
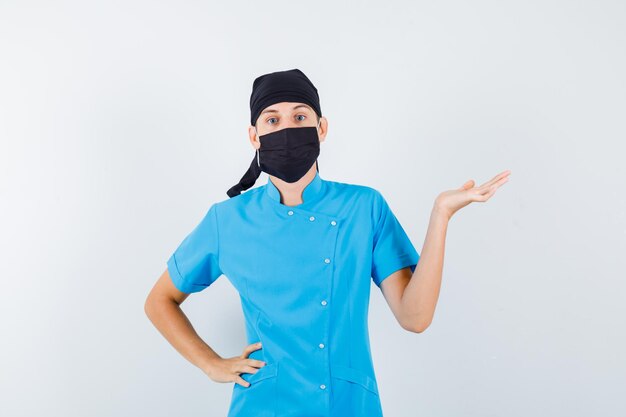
column 122, row 121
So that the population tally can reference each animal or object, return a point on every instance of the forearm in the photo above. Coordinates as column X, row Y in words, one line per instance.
column 422, row 292
column 173, row 324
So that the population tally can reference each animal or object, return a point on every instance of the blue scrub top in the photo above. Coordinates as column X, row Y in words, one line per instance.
column 303, row 275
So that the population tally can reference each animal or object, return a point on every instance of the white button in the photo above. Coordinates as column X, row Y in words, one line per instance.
column 311, row 218
column 327, row 260
column 324, row 303
column 290, row 212
column 323, row 386
column 321, row 346
column 334, row 223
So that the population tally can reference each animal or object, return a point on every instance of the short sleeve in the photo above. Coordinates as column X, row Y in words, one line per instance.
column 194, row 265
column 392, row 249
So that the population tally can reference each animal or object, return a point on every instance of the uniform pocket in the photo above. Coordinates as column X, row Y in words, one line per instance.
column 354, row 393
column 259, row 399
column 270, row 370
column 356, row 376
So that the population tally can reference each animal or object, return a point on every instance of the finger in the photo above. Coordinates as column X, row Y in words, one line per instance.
column 255, row 362
column 487, row 190
column 239, row 380
column 479, row 194
column 490, row 182
column 247, row 369
column 484, row 197
column 250, row 348
column 503, row 174
column 499, row 183
column 499, row 179
column 489, row 194
column 467, row 185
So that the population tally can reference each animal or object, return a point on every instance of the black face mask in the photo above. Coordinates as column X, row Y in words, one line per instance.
column 287, row 154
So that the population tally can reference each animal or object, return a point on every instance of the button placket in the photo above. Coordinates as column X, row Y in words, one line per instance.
column 333, row 233
column 330, row 242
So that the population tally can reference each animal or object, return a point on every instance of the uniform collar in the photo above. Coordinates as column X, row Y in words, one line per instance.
column 312, row 191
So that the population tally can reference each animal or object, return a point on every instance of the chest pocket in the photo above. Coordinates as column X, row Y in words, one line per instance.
column 259, row 399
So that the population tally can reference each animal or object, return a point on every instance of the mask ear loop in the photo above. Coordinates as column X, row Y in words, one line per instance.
column 257, row 151
column 317, row 163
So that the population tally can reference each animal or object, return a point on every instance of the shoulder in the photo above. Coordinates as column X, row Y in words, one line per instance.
column 228, row 209
column 231, row 204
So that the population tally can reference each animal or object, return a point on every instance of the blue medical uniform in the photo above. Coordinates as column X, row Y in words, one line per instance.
column 303, row 275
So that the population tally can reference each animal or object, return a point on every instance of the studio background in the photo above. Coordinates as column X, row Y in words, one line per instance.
column 121, row 122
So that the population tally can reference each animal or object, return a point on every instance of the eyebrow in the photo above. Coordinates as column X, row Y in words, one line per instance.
column 294, row 107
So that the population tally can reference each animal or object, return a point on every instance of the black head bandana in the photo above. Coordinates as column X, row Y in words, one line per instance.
column 276, row 87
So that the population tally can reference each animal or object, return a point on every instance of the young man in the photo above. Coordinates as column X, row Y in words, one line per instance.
column 301, row 251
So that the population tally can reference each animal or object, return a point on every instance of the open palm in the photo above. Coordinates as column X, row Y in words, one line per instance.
column 451, row 201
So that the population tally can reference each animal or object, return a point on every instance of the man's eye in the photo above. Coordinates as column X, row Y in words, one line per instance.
column 301, row 115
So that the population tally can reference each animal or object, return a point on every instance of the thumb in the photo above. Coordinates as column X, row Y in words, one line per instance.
column 467, row 185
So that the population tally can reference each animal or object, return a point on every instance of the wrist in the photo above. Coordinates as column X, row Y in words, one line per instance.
column 208, row 363
column 440, row 212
